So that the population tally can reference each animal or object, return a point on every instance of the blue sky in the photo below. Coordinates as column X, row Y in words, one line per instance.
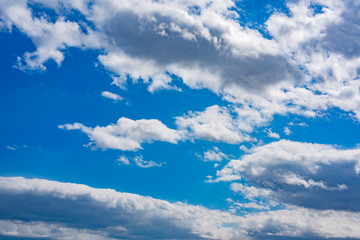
column 179, row 120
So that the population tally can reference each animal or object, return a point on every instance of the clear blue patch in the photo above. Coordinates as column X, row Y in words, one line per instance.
column 254, row 13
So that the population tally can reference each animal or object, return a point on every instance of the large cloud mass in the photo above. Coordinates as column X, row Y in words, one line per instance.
column 40, row 208
column 304, row 174
column 309, row 61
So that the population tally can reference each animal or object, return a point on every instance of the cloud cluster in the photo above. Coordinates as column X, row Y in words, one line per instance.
column 304, row 174
column 309, row 63
column 50, row 38
column 215, row 123
column 72, row 211
column 160, row 37
column 322, row 37
column 203, row 43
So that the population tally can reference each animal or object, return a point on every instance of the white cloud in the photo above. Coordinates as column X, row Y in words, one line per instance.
column 136, row 68
column 300, row 223
column 325, row 45
column 36, row 229
column 123, row 160
column 244, row 148
column 127, row 134
column 140, row 162
column 287, row 130
column 250, row 192
column 209, row 49
column 112, row 96
column 304, row 174
column 214, row 124
column 49, row 37
column 213, row 155
column 272, row 134
column 173, row 41
column 72, row 211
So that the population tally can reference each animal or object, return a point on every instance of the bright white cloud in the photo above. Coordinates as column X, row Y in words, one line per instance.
column 127, row 134
column 304, row 174
column 125, row 215
column 214, row 124
column 112, row 96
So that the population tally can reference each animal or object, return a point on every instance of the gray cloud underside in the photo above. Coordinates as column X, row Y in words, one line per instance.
column 41, row 208
column 303, row 174
column 137, row 38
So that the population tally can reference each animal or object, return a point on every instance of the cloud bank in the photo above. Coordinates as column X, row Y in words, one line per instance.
column 303, row 174
column 41, row 208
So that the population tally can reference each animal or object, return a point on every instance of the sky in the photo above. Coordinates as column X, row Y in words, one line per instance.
column 182, row 119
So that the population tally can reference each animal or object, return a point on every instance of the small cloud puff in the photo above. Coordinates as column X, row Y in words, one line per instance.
column 112, row 96
column 213, row 155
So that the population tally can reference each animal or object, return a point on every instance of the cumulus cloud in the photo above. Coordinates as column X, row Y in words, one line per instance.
column 127, row 134
column 161, row 38
column 304, row 174
column 187, row 44
column 72, row 211
column 204, row 45
column 231, row 125
column 325, row 43
column 214, row 124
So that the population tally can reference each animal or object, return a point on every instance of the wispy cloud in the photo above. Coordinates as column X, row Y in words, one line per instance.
column 138, row 161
